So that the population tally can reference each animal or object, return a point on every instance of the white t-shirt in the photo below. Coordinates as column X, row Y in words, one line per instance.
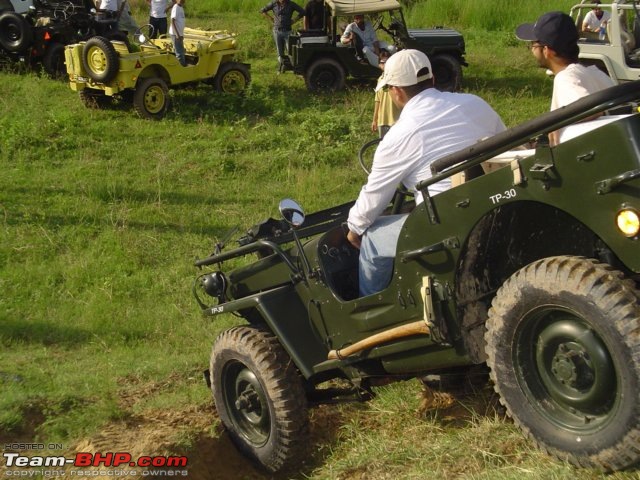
column 577, row 81
column 158, row 9
column 177, row 14
column 592, row 22
column 111, row 5
column 432, row 124
column 368, row 36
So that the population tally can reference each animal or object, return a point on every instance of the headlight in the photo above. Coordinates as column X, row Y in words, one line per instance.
column 628, row 222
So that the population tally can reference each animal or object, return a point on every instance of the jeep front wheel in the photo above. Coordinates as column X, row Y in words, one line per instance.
column 259, row 397
column 100, row 59
column 325, row 75
column 53, row 61
column 447, row 72
column 151, row 99
column 563, row 345
column 232, row 78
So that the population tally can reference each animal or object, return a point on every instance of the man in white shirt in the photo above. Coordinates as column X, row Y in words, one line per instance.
column 176, row 31
column 432, row 124
column 158, row 17
column 361, row 35
column 595, row 19
column 554, row 44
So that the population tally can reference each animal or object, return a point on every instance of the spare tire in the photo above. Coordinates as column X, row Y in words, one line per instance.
column 16, row 35
column 100, row 59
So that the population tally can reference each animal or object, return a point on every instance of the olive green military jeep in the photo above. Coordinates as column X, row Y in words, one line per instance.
column 325, row 63
column 533, row 269
column 100, row 69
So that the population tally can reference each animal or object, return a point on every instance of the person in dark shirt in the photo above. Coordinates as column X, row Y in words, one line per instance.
column 282, row 21
column 315, row 15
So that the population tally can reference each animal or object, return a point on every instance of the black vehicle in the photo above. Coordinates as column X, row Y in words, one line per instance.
column 325, row 63
column 39, row 34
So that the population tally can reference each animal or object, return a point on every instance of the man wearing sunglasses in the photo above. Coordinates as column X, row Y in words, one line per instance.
column 554, row 44
column 432, row 124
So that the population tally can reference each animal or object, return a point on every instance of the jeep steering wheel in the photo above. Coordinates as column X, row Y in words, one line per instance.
column 142, row 36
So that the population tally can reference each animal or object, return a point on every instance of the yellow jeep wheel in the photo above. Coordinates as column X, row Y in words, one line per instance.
column 151, row 99
column 233, row 78
column 100, row 59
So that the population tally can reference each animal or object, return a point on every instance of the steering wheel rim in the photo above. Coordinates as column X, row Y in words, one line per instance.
column 401, row 188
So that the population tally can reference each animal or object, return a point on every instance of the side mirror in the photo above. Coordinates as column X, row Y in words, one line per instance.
column 292, row 212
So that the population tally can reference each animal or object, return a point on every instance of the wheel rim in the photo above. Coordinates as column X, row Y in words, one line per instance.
column 233, row 82
column 565, row 369
column 154, row 99
column 97, row 60
column 246, row 403
column 325, row 79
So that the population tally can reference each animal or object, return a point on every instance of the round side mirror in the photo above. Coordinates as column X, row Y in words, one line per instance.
column 292, row 212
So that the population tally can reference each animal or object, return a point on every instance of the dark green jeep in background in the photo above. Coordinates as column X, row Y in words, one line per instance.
column 532, row 269
column 325, row 63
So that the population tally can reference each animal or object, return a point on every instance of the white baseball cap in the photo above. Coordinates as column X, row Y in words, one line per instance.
column 401, row 70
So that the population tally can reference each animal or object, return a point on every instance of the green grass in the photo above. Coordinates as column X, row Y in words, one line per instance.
column 102, row 215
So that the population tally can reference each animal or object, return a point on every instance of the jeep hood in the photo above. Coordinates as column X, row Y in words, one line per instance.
column 349, row 7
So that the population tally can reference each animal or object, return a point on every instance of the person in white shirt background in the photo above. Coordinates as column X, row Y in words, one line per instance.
column 158, row 16
column 176, row 31
column 432, row 124
column 554, row 44
column 595, row 19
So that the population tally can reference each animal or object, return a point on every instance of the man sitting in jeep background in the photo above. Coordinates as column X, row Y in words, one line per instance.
column 361, row 35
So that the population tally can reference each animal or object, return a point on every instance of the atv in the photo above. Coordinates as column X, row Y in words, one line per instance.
column 100, row 70
column 532, row 268
column 325, row 63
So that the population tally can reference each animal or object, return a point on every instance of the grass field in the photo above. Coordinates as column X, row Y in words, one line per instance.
column 102, row 215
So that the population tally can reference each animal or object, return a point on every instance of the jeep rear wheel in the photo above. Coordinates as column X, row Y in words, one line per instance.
column 100, row 59
column 16, row 35
column 53, row 61
column 325, row 75
column 151, row 99
column 448, row 73
column 232, row 78
column 563, row 345
column 259, row 397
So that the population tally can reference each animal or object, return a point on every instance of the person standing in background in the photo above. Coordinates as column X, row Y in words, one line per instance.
column 176, row 31
column 282, row 22
column 158, row 17
column 385, row 112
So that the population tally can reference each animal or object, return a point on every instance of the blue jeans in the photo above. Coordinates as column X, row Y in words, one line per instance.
column 377, row 253
column 281, row 37
column 178, row 48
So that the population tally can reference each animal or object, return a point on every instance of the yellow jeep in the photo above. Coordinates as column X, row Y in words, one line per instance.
column 100, row 69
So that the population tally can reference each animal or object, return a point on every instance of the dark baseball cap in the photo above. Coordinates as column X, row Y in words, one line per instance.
column 554, row 29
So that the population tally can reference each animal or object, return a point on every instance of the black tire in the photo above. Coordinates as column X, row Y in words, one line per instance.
column 563, row 345
column 259, row 397
column 95, row 99
column 16, row 35
column 233, row 78
column 151, row 98
column 448, row 72
column 100, row 59
column 53, row 61
column 325, row 75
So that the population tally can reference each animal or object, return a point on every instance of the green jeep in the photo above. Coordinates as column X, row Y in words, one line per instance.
column 100, row 69
column 325, row 62
column 533, row 269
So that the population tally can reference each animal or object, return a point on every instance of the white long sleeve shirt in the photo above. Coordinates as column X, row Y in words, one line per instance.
column 432, row 124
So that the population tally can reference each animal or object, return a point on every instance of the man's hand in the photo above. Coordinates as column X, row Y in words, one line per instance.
column 354, row 239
